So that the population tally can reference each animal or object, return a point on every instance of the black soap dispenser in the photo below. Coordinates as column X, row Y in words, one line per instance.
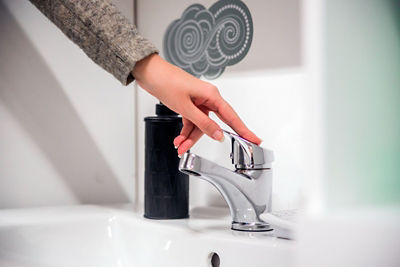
column 166, row 189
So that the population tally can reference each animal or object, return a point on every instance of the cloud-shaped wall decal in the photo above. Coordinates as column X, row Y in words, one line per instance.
column 204, row 42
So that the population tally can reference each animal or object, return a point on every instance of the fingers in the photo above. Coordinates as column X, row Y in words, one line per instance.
column 204, row 123
column 178, row 140
column 226, row 113
column 185, row 132
column 190, row 141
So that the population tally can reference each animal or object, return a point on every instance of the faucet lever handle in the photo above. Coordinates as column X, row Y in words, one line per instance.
column 247, row 155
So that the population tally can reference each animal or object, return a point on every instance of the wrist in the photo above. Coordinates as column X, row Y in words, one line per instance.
column 143, row 67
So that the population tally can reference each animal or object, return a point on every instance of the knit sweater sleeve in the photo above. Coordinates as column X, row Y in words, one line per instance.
column 101, row 31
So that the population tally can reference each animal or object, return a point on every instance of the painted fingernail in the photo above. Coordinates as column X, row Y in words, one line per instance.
column 218, row 135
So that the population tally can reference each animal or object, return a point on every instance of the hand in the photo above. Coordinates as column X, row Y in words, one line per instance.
column 190, row 97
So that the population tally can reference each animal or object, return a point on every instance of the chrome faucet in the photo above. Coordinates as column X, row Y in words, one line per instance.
column 247, row 189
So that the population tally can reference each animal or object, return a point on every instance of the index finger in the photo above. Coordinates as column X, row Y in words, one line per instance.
column 227, row 114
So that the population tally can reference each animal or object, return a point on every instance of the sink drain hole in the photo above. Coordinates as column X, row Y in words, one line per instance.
column 214, row 259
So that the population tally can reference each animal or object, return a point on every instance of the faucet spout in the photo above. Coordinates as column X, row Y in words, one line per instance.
column 247, row 191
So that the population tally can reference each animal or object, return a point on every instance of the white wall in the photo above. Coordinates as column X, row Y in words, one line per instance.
column 274, row 90
column 66, row 126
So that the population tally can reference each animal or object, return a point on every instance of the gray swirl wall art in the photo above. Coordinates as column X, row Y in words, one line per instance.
column 204, row 42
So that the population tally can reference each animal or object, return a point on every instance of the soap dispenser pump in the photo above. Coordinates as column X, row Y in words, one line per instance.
column 166, row 188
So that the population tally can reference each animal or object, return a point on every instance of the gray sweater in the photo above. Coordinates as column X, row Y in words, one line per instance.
column 102, row 32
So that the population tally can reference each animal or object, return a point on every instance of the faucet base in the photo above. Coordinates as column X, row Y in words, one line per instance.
column 251, row 227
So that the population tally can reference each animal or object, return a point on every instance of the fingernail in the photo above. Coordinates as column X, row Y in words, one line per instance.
column 179, row 156
column 218, row 135
column 175, row 147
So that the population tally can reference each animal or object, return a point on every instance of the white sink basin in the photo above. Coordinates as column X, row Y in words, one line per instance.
column 119, row 236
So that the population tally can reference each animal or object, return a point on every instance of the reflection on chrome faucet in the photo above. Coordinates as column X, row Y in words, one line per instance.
column 247, row 189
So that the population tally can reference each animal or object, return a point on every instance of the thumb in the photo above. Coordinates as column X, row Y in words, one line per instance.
column 204, row 123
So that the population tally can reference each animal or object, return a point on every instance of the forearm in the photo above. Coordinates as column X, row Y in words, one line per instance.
column 101, row 31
